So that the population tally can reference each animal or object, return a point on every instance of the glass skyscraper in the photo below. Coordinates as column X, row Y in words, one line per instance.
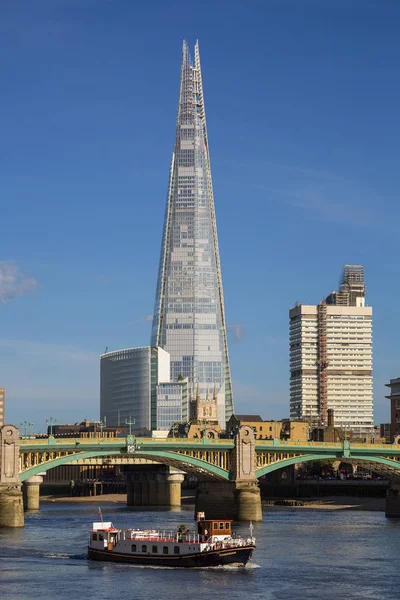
column 189, row 316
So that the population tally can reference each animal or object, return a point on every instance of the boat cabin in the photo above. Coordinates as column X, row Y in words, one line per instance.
column 209, row 528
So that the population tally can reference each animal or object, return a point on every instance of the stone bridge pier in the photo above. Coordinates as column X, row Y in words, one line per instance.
column 153, row 485
column 392, row 508
column 11, row 503
column 238, row 499
column 31, row 492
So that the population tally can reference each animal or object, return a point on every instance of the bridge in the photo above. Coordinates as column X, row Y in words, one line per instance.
column 228, row 469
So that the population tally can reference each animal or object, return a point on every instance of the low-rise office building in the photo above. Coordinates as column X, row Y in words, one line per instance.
column 128, row 386
column 172, row 404
column 286, row 429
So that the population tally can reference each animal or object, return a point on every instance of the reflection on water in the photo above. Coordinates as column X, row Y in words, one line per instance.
column 300, row 554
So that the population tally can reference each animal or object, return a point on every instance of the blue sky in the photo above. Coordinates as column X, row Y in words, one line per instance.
column 302, row 102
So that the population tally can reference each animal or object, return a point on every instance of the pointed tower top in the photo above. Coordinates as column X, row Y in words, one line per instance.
column 186, row 58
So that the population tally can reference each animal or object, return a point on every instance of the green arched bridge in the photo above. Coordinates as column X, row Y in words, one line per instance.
column 228, row 469
column 212, row 459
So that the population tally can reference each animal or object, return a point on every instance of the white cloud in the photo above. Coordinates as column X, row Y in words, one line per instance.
column 237, row 331
column 14, row 282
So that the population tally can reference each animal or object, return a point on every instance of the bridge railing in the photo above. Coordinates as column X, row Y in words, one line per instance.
column 51, row 441
column 285, row 443
column 41, row 443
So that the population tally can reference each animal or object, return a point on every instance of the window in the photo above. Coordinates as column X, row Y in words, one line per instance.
column 101, row 537
column 215, row 525
column 221, row 525
column 165, row 549
column 133, row 548
column 176, row 549
column 94, row 537
column 227, row 526
column 144, row 548
column 154, row 550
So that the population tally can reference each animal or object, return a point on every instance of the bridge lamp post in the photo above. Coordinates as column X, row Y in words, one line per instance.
column 102, row 424
column 51, row 422
column 24, row 426
column 129, row 421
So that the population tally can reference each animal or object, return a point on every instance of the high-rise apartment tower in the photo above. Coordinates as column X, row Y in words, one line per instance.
column 189, row 316
column 331, row 357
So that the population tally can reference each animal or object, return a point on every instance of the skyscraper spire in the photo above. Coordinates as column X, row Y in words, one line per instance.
column 189, row 315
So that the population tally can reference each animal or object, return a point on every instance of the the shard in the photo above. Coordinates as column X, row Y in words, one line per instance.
column 189, row 315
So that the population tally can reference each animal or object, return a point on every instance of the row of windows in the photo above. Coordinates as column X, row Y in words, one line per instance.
column 154, row 549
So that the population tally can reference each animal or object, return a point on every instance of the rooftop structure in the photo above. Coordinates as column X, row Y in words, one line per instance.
column 351, row 288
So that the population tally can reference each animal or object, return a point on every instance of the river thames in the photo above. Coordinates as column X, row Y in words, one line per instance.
column 301, row 554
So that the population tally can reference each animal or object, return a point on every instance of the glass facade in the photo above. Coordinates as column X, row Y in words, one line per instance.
column 172, row 404
column 189, row 319
column 128, row 385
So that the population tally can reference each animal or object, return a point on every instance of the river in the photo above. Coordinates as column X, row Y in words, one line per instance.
column 301, row 554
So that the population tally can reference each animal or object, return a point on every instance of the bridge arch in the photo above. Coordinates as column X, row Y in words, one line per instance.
column 381, row 465
column 190, row 464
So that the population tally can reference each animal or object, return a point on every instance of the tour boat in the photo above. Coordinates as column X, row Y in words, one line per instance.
column 213, row 544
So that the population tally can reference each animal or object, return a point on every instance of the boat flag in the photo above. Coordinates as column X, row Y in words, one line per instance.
column 99, row 515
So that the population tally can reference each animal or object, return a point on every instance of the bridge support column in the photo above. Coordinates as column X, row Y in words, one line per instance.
column 248, row 503
column 149, row 488
column 229, row 500
column 31, row 489
column 11, row 503
column 246, row 492
column 153, row 486
column 175, row 488
column 216, row 499
column 11, row 507
column 393, row 501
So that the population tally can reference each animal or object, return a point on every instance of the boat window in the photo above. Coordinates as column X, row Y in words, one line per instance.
column 165, row 549
column 176, row 549
column 133, row 548
column 144, row 548
column 227, row 526
column 155, row 550
column 101, row 537
column 221, row 525
column 215, row 525
column 94, row 536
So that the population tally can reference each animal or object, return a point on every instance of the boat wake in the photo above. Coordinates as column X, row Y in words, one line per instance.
column 232, row 567
column 63, row 556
